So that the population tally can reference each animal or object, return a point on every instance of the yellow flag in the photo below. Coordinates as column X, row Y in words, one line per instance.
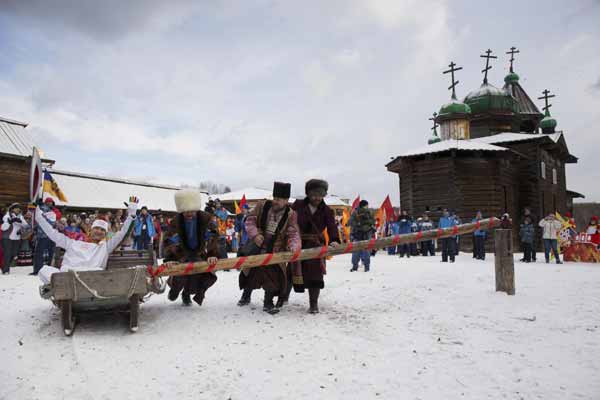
column 326, row 235
column 237, row 208
column 51, row 188
column 345, row 227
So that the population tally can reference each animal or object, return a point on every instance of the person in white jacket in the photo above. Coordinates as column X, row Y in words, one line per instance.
column 551, row 228
column 85, row 256
column 12, row 224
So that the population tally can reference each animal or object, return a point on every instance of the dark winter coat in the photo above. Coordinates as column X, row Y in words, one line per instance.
column 272, row 278
column 311, row 231
column 527, row 232
column 176, row 249
column 404, row 223
column 362, row 224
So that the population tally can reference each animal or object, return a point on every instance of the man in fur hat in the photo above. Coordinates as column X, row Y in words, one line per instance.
column 190, row 227
column 314, row 216
column 272, row 227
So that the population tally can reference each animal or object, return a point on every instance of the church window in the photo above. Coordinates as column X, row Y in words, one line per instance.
column 543, row 169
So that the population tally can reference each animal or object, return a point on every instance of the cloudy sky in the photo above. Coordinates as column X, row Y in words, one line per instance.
column 247, row 92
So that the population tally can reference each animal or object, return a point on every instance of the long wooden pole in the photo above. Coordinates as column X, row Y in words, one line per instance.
column 175, row 268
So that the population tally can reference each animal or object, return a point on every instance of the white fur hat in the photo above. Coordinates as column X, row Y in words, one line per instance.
column 100, row 223
column 188, row 200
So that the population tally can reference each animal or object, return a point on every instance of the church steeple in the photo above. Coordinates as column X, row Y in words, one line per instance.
column 434, row 137
column 512, row 77
column 453, row 117
column 528, row 116
column 548, row 124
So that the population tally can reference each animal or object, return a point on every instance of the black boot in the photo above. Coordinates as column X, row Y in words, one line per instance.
column 284, row 298
column 313, row 299
column 245, row 299
column 173, row 294
column 199, row 298
column 268, row 305
column 185, row 297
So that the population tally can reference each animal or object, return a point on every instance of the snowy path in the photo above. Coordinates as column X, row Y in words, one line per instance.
column 415, row 329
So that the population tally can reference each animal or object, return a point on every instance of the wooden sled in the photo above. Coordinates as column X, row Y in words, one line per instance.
column 118, row 288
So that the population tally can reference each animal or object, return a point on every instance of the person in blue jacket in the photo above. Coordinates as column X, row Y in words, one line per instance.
column 240, row 226
column 448, row 243
column 393, row 230
column 144, row 229
column 479, row 237
column 414, row 227
column 427, row 246
column 404, row 227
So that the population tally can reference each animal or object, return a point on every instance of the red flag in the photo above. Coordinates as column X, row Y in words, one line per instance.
column 243, row 201
column 388, row 208
column 355, row 203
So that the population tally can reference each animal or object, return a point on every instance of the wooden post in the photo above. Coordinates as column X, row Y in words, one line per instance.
column 504, row 261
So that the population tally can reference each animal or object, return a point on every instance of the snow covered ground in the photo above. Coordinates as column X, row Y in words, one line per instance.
column 409, row 329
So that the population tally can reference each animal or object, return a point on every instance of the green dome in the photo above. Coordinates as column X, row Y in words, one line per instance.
column 454, row 107
column 489, row 98
column 511, row 78
column 548, row 123
column 434, row 139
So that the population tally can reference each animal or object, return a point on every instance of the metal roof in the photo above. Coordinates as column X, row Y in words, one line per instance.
column 447, row 145
column 14, row 140
column 96, row 192
column 524, row 103
column 507, row 137
column 574, row 195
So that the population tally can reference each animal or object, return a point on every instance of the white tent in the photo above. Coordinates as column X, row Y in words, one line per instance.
column 96, row 192
column 254, row 194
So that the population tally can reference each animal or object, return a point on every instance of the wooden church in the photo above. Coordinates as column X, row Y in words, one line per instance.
column 495, row 152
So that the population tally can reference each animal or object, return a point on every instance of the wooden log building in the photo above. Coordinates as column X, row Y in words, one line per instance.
column 16, row 148
column 496, row 152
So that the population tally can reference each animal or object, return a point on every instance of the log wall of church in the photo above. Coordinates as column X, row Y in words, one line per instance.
column 14, row 180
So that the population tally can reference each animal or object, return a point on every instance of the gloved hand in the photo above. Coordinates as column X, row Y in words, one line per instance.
column 132, row 206
column 15, row 219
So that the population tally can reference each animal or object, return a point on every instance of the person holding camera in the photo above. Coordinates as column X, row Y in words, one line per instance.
column 551, row 227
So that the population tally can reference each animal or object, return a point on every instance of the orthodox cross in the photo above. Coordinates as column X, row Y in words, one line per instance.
column 434, row 123
column 512, row 52
column 545, row 97
column 487, row 56
column 452, row 70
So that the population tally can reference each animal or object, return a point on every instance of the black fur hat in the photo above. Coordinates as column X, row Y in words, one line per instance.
column 363, row 203
column 282, row 190
column 316, row 185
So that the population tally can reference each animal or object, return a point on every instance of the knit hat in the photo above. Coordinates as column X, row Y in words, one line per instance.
column 282, row 190
column 318, row 186
column 49, row 200
column 595, row 218
column 187, row 200
column 100, row 223
column 363, row 203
